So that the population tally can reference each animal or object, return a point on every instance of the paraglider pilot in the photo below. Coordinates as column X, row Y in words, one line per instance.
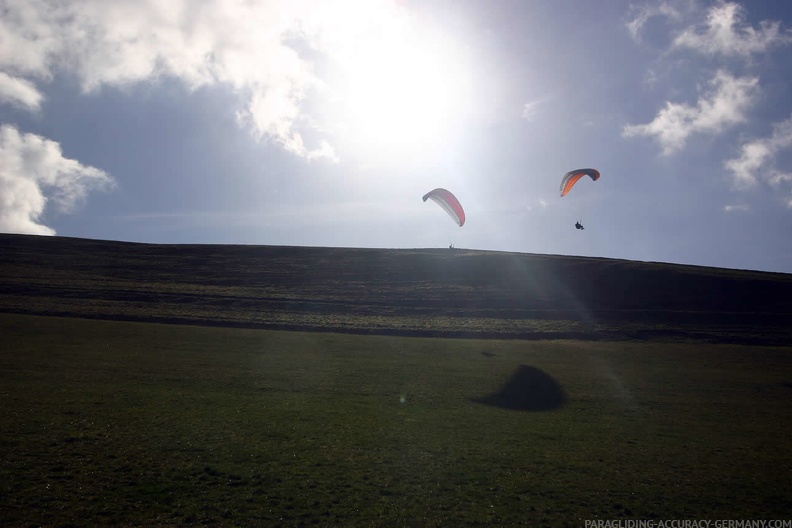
column 578, row 225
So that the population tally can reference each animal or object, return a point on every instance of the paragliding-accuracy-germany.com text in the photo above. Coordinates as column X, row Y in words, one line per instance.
column 687, row 523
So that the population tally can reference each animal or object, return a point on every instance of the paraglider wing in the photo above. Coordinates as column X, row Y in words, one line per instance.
column 448, row 201
column 572, row 177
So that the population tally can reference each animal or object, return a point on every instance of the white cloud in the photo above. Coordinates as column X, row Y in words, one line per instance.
column 778, row 178
column 723, row 106
column 259, row 48
column 325, row 151
column 33, row 173
column 737, row 208
column 725, row 32
column 756, row 160
column 642, row 14
column 28, row 37
column 19, row 92
column 116, row 42
column 529, row 109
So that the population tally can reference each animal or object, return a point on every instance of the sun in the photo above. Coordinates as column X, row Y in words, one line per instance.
column 398, row 86
column 399, row 92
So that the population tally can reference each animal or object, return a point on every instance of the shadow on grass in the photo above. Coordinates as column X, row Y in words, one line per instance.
column 528, row 389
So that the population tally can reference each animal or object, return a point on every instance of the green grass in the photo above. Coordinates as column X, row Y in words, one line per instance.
column 141, row 424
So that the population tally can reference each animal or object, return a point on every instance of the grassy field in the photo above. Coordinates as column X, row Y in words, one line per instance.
column 133, row 424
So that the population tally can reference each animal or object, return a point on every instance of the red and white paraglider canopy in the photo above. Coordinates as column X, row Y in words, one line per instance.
column 449, row 202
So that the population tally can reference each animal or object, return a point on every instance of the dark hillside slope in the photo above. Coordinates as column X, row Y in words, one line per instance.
column 419, row 292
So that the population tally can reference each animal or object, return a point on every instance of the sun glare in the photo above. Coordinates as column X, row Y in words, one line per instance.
column 399, row 86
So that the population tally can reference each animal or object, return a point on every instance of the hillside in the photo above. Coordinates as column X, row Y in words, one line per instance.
column 457, row 293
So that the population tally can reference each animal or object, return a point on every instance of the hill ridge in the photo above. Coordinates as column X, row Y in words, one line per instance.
column 425, row 292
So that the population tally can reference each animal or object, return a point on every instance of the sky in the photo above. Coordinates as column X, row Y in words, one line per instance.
column 323, row 123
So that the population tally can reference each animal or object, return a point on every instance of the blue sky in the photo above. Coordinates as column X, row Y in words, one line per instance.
column 323, row 123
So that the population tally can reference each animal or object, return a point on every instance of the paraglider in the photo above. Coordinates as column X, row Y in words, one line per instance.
column 572, row 177
column 449, row 202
